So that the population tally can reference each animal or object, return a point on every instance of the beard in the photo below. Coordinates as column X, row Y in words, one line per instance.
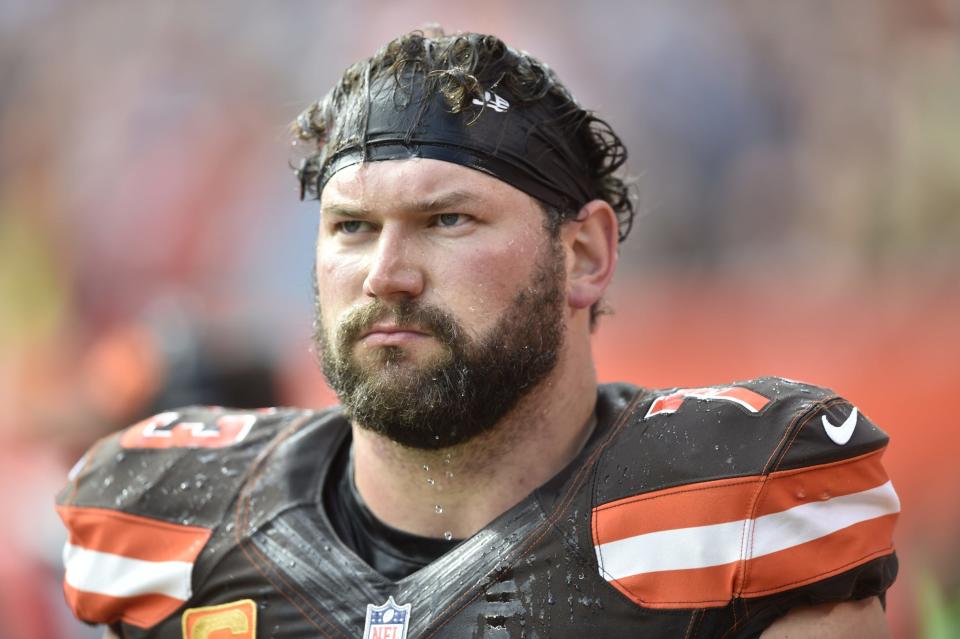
column 469, row 386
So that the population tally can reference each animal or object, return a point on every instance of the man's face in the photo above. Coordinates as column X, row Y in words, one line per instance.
column 440, row 298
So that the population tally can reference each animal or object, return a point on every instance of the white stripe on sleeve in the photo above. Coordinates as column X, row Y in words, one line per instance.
column 118, row 576
column 798, row 525
column 718, row 544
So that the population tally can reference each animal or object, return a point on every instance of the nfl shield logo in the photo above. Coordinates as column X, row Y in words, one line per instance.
column 388, row 621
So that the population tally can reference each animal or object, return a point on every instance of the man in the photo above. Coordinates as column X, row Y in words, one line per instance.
column 476, row 481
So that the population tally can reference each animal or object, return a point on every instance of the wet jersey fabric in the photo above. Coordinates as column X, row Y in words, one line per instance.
column 393, row 553
column 704, row 512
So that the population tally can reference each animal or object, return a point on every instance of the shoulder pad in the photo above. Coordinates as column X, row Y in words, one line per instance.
column 745, row 490
column 175, row 465
column 751, row 427
column 143, row 503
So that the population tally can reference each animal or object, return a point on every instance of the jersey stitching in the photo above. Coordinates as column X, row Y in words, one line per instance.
column 551, row 520
column 757, row 610
column 743, row 533
column 210, row 569
column 249, row 549
column 875, row 554
column 786, row 441
column 750, row 479
column 595, row 534
column 744, row 568
column 694, row 624
column 594, row 518
column 700, row 618
column 746, row 538
column 736, row 623
column 804, row 419
column 246, row 546
column 576, row 552
column 790, row 433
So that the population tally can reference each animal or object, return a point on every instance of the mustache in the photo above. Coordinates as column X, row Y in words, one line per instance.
column 409, row 313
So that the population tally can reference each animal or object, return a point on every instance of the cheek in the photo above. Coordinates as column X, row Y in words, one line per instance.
column 339, row 283
column 483, row 282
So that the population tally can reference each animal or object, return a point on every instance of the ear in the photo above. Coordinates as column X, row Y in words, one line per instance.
column 591, row 246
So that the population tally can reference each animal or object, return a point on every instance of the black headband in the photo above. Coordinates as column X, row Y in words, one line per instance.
column 532, row 146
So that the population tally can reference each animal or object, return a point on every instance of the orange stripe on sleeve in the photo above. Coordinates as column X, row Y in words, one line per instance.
column 788, row 488
column 694, row 588
column 723, row 500
column 143, row 611
column 820, row 558
column 699, row 504
column 715, row 586
column 132, row 536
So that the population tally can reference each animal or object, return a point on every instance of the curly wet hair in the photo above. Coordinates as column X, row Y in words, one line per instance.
column 461, row 67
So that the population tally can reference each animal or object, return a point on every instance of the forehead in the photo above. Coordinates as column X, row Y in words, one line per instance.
column 397, row 183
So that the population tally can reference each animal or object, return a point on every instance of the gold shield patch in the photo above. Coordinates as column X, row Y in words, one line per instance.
column 234, row 620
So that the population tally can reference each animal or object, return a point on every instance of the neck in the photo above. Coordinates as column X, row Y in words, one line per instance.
column 455, row 492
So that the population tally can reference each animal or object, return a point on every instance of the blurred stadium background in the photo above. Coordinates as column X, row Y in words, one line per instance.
column 798, row 167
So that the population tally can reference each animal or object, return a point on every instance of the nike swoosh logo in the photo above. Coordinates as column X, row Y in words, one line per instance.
column 841, row 434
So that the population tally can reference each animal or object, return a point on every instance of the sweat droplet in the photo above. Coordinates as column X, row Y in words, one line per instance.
column 430, row 481
column 425, row 467
column 448, row 535
column 438, row 509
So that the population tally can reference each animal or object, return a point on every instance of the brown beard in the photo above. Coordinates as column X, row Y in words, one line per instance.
column 467, row 389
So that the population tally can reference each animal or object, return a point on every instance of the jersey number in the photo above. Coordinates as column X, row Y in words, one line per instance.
column 166, row 431
column 748, row 399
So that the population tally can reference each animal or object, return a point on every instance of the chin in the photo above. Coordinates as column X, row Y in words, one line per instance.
column 399, row 357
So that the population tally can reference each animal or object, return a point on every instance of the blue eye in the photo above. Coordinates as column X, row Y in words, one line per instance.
column 450, row 219
column 352, row 226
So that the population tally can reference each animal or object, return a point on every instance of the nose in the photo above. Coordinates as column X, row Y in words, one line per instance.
column 394, row 274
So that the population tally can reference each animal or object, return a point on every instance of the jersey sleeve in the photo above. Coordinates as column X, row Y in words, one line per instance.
column 745, row 501
column 141, row 506
column 822, row 526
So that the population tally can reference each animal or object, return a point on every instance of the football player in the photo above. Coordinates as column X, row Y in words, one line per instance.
column 476, row 481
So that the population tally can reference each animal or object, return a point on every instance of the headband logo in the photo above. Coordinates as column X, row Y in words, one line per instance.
column 492, row 100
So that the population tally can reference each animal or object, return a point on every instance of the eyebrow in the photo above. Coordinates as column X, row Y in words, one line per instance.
column 429, row 205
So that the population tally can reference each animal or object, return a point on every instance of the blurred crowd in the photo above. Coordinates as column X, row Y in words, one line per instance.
column 153, row 251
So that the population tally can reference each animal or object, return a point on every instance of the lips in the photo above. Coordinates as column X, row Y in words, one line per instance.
column 390, row 329
column 409, row 321
column 391, row 334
